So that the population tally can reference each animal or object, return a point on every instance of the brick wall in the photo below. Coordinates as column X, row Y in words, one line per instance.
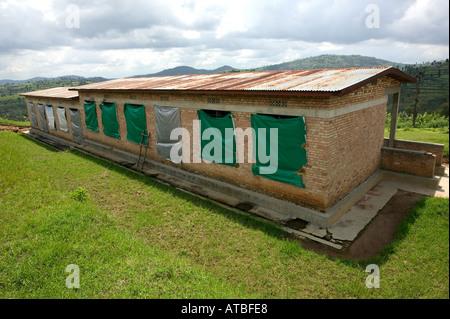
column 355, row 142
column 407, row 161
column 436, row 149
column 342, row 151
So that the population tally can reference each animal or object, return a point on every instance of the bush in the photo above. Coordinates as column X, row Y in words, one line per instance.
column 425, row 120
column 79, row 194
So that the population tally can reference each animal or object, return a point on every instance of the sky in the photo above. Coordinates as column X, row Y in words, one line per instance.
column 115, row 39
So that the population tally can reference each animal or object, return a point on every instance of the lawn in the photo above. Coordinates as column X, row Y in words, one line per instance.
column 18, row 123
column 133, row 237
column 428, row 135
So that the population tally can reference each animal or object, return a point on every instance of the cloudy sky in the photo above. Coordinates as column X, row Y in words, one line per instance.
column 123, row 38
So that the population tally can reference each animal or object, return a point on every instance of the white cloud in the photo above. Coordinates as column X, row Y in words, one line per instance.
column 118, row 38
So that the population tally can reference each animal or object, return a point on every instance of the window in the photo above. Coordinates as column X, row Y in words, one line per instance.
column 218, row 142
column 279, row 116
column 136, row 123
column 109, row 120
column 278, row 103
column 213, row 100
column 90, row 113
column 50, row 117
column 62, row 120
column 280, row 155
column 216, row 113
column 167, row 120
column 33, row 118
column 42, row 120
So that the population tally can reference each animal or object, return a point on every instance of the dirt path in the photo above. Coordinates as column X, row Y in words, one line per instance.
column 378, row 233
column 13, row 128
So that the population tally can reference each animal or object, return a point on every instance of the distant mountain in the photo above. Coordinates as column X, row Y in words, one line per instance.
column 329, row 61
column 319, row 62
column 68, row 77
column 186, row 70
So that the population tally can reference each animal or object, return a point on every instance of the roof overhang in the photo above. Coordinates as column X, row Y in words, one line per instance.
column 261, row 84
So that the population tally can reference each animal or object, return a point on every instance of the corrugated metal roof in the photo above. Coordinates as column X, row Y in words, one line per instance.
column 320, row 80
column 58, row 92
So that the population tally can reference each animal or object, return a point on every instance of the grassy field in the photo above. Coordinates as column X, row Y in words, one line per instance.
column 19, row 123
column 133, row 237
column 429, row 135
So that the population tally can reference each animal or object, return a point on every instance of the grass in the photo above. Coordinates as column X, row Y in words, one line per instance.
column 19, row 123
column 429, row 135
column 133, row 237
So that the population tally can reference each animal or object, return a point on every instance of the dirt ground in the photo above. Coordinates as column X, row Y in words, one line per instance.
column 377, row 234
column 12, row 128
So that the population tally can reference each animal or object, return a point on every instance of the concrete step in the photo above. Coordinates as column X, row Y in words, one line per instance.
column 439, row 170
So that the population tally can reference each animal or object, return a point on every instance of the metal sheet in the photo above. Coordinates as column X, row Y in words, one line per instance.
column 323, row 80
column 58, row 92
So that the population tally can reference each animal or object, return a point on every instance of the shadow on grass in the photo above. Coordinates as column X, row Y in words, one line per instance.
column 249, row 221
column 39, row 143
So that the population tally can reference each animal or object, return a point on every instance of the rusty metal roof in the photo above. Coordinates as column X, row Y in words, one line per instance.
column 58, row 92
column 330, row 81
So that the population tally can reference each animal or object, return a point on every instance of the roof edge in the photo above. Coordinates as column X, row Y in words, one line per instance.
column 391, row 71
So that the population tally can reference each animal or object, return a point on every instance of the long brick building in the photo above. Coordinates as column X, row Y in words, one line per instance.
column 336, row 119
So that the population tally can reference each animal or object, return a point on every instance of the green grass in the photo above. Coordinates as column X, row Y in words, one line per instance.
column 19, row 123
column 133, row 237
column 429, row 135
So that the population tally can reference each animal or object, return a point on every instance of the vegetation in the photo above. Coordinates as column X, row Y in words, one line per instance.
column 327, row 61
column 430, row 128
column 18, row 123
column 424, row 120
column 154, row 241
column 433, row 89
column 12, row 106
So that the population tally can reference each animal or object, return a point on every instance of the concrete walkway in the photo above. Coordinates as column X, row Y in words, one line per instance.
column 349, row 226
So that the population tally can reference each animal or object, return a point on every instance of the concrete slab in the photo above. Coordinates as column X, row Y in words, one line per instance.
column 315, row 231
column 355, row 220
column 443, row 188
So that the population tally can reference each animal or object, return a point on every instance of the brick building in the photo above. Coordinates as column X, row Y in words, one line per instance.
column 343, row 111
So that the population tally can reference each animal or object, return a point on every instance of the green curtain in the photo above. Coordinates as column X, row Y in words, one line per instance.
column 136, row 123
column 109, row 120
column 218, row 136
column 291, row 154
column 91, row 116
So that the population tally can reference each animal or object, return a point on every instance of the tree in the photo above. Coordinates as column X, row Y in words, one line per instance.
column 444, row 110
column 419, row 73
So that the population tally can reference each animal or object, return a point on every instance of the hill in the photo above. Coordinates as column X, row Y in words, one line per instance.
column 12, row 106
column 433, row 88
column 186, row 70
column 330, row 61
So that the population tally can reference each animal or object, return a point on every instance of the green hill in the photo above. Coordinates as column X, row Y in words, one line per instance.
column 433, row 88
column 330, row 61
column 12, row 106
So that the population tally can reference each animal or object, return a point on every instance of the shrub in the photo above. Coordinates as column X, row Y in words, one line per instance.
column 80, row 194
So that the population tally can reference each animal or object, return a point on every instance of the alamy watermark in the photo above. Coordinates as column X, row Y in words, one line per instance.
column 73, row 16
column 215, row 147
column 373, row 280
column 73, row 280
column 373, row 19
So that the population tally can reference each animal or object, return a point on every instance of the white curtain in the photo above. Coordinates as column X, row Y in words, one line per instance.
column 50, row 117
column 61, row 111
